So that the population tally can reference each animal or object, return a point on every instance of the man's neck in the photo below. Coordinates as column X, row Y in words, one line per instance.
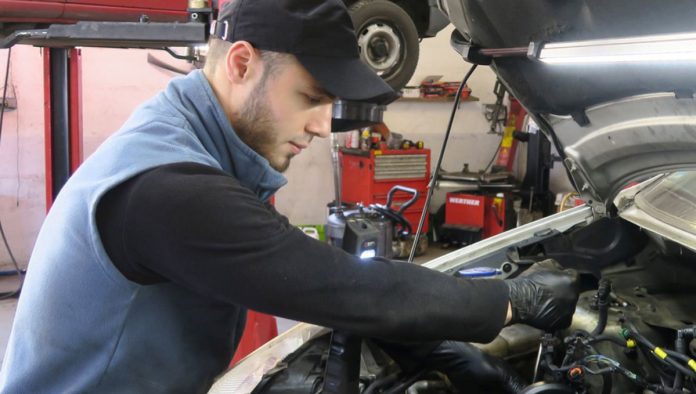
column 217, row 85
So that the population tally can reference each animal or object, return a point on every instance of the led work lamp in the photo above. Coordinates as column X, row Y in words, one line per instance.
column 661, row 48
column 657, row 48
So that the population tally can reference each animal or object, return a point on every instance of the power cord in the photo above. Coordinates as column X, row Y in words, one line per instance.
column 17, row 271
column 4, row 90
column 431, row 186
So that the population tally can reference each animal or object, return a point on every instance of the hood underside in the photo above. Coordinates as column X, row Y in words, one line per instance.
column 627, row 140
column 612, row 122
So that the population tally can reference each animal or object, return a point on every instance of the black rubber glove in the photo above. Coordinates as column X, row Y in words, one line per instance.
column 544, row 296
column 469, row 369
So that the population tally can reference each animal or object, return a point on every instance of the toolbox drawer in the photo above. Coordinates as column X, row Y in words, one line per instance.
column 367, row 177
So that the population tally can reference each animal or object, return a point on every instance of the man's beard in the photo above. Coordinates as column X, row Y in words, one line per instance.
column 254, row 126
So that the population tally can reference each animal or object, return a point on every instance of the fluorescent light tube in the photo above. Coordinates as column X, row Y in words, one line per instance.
column 662, row 48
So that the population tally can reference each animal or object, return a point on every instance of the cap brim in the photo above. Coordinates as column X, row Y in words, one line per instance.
column 348, row 79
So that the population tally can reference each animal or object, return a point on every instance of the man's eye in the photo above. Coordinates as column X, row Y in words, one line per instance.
column 314, row 100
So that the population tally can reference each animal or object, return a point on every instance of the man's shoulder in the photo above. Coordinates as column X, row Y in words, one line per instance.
column 188, row 172
column 154, row 114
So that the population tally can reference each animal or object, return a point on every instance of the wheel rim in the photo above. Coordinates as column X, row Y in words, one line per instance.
column 380, row 47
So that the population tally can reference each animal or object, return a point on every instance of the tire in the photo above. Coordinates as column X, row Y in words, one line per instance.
column 388, row 40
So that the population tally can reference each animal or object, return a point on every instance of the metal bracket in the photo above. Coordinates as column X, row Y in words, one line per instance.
column 585, row 188
column 112, row 34
column 468, row 51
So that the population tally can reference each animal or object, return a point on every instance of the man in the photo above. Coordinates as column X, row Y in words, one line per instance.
column 147, row 261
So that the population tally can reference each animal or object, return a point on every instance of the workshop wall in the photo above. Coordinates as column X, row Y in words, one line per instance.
column 311, row 182
column 22, row 201
column 116, row 81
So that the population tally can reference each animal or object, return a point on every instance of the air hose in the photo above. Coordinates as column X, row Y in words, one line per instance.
column 602, row 302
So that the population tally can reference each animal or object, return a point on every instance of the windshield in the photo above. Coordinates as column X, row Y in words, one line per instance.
column 672, row 199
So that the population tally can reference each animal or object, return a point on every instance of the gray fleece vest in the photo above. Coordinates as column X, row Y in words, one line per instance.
column 83, row 327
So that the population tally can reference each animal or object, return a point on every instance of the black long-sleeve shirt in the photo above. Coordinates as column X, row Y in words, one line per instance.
column 198, row 227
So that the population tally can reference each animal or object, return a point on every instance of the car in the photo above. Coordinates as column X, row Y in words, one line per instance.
column 612, row 86
column 389, row 32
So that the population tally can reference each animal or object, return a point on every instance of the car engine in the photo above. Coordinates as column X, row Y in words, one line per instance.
column 633, row 331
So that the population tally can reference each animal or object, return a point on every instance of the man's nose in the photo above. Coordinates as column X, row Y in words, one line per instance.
column 320, row 122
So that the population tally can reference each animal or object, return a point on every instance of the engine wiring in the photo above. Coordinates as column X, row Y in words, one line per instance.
column 675, row 368
column 631, row 332
column 613, row 366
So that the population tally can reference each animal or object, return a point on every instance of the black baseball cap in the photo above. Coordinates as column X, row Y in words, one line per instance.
column 318, row 32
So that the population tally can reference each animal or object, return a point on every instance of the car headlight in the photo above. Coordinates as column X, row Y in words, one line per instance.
column 248, row 372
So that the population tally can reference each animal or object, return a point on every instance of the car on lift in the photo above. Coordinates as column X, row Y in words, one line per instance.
column 389, row 32
column 612, row 85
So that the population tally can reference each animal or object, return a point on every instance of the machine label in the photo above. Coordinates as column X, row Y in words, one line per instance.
column 464, row 201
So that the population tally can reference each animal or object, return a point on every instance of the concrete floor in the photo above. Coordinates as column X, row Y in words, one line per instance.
column 8, row 306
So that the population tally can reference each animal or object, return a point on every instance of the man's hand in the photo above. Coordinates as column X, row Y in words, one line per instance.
column 472, row 371
column 468, row 368
column 544, row 296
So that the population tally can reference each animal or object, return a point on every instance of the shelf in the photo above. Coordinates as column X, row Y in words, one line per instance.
column 436, row 99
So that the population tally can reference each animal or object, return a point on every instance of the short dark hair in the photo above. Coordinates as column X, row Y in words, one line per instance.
column 217, row 49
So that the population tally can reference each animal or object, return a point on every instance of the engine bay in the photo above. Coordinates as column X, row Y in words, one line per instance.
column 633, row 331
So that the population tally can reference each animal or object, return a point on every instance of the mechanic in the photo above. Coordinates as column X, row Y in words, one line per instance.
column 154, row 249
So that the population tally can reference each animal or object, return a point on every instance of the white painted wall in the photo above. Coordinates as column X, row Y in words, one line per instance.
column 311, row 183
column 116, row 81
column 22, row 201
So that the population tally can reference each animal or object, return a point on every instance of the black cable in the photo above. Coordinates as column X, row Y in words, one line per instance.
column 678, row 355
column 495, row 154
column 607, row 382
column 4, row 90
column 431, row 186
column 641, row 340
column 380, row 382
column 608, row 338
column 395, row 218
column 659, row 366
column 15, row 292
column 603, row 293
column 680, row 346
column 400, row 388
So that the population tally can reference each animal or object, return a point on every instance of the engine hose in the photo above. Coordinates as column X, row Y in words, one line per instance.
column 678, row 382
column 426, row 386
column 657, row 366
column 552, row 367
column 607, row 383
column 603, row 293
column 608, row 338
column 680, row 346
column 400, row 388
column 381, row 382
column 658, row 352
column 678, row 355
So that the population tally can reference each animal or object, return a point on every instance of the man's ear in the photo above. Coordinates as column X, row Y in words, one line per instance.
column 242, row 62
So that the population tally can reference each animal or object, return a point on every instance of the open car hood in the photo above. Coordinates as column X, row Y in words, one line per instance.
column 611, row 122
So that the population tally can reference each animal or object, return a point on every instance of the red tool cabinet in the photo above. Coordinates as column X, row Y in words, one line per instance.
column 481, row 214
column 367, row 177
